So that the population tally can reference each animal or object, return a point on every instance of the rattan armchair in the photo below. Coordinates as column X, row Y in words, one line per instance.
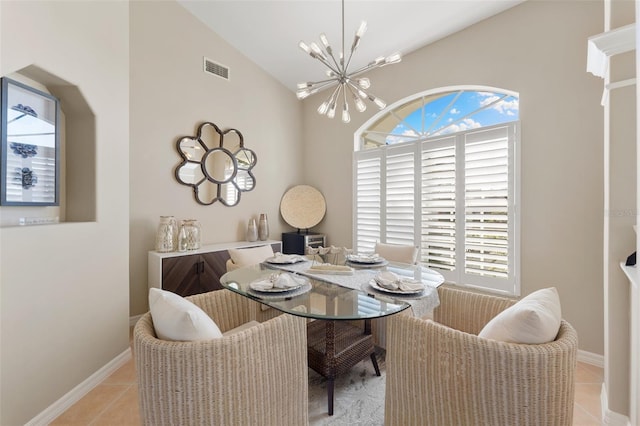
column 440, row 373
column 257, row 376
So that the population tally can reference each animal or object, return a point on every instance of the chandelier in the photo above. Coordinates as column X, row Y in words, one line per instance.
column 348, row 84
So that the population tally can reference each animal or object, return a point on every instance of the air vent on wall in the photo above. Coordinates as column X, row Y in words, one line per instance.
column 216, row 69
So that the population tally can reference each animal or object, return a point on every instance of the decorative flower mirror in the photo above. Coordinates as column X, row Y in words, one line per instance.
column 30, row 146
column 216, row 165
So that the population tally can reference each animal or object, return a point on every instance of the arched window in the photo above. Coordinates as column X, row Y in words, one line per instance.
column 438, row 170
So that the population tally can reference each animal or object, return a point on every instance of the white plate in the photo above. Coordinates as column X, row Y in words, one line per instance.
column 265, row 295
column 274, row 289
column 378, row 287
column 284, row 260
column 367, row 265
column 365, row 259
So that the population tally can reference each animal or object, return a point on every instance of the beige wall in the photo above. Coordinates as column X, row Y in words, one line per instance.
column 170, row 96
column 620, row 213
column 64, row 288
column 539, row 50
column 75, row 300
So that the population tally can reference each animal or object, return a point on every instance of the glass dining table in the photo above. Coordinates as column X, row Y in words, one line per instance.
column 336, row 299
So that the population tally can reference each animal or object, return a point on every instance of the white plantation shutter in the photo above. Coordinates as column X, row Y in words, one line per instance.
column 438, row 202
column 399, row 196
column 486, row 204
column 42, row 167
column 465, row 216
column 368, row 197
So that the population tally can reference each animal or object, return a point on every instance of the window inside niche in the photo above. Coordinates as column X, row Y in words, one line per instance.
column 77, row 158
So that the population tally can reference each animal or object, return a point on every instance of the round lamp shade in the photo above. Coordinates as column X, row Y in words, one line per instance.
column 302, row 207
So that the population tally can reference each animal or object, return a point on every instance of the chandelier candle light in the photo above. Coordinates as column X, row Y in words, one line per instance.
column 347, row 84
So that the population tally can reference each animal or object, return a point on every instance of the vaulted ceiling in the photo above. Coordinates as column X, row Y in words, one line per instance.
column 268, row 31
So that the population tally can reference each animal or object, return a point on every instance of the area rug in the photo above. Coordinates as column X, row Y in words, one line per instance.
column 358, row 396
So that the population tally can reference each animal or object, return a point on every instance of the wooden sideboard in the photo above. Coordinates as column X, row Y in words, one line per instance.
column 195, row 271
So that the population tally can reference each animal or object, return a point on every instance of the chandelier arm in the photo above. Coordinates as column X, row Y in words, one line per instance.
column 354, row 46
column 331, row 98
column 360, row 106
column 349, row 60
column 334, row 101
column 370, row 96
column 333, row 58
column 349, row 86
column 364, row 69
column 327, row 64
column 358, row 90
column 319, row 84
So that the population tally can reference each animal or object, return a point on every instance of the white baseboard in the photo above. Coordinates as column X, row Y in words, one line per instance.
column 611, row 418
column 75, row 394
column 591, row 358
column 133, row 320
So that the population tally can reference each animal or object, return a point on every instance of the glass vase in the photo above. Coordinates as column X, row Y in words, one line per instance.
column 192, row 231
column 166, row 235
column 182, row 238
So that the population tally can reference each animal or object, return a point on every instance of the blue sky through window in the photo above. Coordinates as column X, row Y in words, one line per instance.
column 456, row 111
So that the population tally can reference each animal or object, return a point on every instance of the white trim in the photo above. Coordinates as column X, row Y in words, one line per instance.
column 591, row 358
column 601, row 46
column 618, row 40
column 611, row 418
column 133, row 320
column 621, row 83
column 75, row 394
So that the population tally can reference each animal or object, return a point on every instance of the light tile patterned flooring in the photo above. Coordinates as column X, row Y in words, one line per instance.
column 115, row 401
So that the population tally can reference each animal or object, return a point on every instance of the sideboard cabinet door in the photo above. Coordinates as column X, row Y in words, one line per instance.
column 181, row 275
column 187, row 274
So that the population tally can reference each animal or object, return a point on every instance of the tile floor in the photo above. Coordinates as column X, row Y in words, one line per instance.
column 115, row 401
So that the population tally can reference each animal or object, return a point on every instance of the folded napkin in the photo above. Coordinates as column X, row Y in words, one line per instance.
column 277, row 281
column 365, row 258
column 329, row 268
column 391, row 281
column 285, row 258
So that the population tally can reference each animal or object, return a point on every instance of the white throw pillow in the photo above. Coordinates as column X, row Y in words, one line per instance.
column 534, row 319
column 176, row 318
column 250, row 256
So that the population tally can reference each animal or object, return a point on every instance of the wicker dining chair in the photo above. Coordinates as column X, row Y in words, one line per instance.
column 441, row 373
column 247, row 256
column 398, row 252
column 258, row 376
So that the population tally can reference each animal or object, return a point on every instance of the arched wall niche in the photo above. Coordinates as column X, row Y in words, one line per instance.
column 77, row 154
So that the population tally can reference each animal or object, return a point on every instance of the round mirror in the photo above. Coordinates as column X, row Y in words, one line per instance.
column 303, row 207
column 219, row 165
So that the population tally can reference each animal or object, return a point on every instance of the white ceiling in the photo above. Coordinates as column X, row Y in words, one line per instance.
column 268, row 31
